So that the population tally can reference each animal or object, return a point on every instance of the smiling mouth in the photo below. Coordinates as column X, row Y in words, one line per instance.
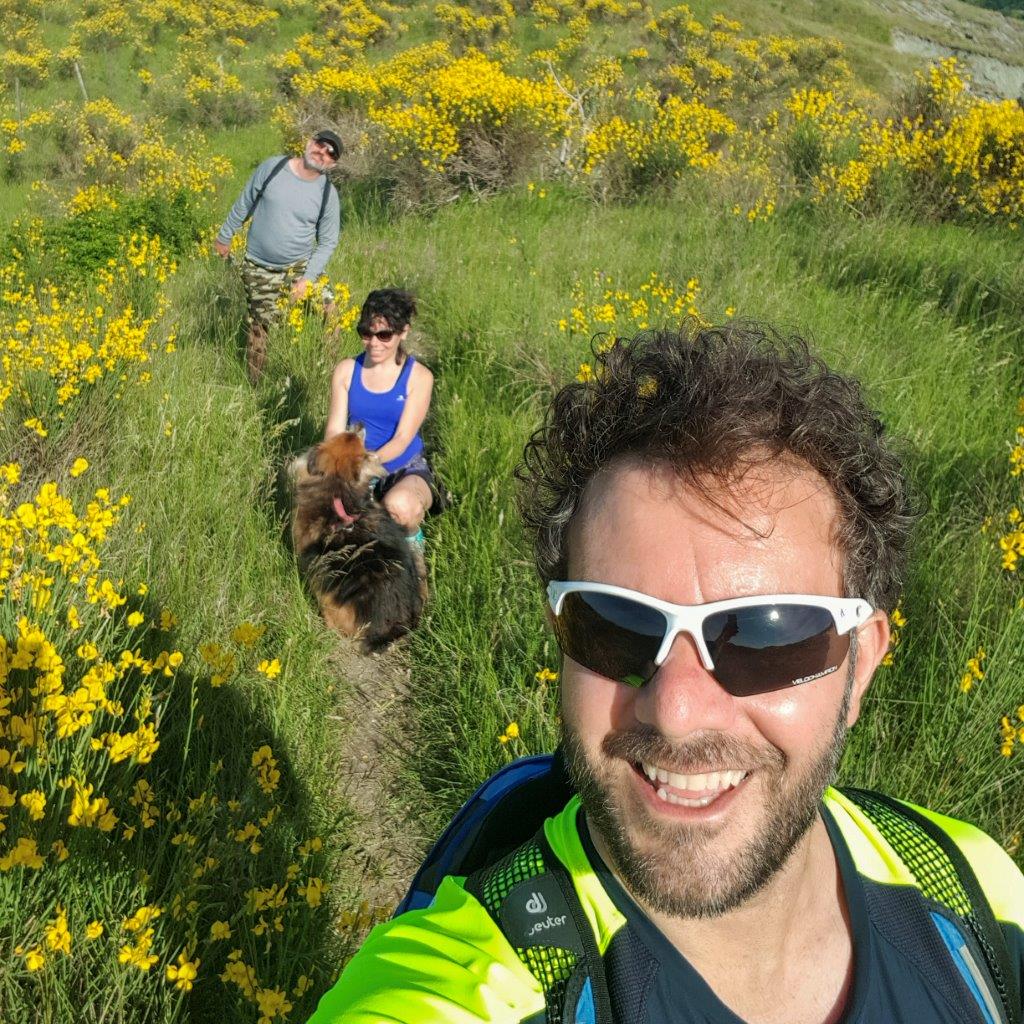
column 690, row 790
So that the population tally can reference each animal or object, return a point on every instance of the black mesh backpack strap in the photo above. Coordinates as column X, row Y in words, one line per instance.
column 531, row 898
column 274, row 171
column 944, row 876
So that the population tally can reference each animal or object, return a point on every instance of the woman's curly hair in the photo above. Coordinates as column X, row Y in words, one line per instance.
column 710, row 403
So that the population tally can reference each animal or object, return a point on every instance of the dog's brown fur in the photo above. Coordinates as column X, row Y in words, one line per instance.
column 367, row 578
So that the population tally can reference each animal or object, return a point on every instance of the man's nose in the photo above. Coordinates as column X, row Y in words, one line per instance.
column 683, row 697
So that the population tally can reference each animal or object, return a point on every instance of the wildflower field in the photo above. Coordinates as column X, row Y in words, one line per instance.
column 175, row 838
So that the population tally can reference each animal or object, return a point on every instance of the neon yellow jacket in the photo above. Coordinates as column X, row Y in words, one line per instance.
column 450, row 963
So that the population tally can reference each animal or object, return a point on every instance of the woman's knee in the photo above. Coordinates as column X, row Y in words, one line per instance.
column 404, row 508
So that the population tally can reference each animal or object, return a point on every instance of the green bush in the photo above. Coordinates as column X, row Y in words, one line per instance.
column 75, row 247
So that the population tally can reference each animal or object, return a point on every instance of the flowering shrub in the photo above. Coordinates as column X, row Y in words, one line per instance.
column 767, row 117
column 210, row 96
column 955, row 155
column 602, row 307
column 471, row 120
column 58, row 341
column 667, row 138
column 125, row 848
column 104, row 145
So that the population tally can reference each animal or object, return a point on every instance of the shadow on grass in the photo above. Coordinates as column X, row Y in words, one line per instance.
column 221, row 835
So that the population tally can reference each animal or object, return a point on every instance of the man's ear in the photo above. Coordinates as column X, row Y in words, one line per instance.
column 872, row 644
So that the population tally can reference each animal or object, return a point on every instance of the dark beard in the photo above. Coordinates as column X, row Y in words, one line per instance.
column 681, row 873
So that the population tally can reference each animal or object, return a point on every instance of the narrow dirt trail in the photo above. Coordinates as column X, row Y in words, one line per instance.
column 385, row 840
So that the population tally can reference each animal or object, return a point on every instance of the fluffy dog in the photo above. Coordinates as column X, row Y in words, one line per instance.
column 367, row 578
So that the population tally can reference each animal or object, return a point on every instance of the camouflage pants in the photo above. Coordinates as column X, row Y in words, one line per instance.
column 267, row 292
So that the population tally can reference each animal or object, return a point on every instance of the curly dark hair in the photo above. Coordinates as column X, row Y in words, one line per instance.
column 711, row 403
column 394, row 305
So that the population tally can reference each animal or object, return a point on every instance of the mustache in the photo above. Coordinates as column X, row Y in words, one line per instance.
column 692, row 754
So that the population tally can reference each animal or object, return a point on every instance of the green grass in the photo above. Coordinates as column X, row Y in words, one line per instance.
column 929, row 316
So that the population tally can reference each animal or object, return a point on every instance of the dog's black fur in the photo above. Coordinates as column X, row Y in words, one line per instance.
column 365, row 574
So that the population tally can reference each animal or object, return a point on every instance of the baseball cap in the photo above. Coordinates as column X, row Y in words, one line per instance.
column 332, row 139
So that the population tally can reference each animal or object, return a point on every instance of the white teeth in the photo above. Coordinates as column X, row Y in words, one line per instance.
column 671, row 798
column 709, row 782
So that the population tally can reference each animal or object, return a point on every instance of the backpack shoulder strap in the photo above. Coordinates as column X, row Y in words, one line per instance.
column 274, row 171
column 944, row 875
column 531, row 898
column 507, row 809
column 323, row 203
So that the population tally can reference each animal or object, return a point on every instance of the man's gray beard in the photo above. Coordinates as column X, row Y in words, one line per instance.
column 310, row 166
column 680, row 874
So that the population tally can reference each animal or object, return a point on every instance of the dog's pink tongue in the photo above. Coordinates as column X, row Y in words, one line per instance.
column 340, row 509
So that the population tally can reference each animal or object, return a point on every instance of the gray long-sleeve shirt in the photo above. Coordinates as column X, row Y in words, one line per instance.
column 284, row 226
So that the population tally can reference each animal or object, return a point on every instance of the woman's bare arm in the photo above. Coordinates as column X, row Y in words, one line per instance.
column 337, row 413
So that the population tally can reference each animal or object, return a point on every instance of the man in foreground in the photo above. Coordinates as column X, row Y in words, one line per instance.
column 296, row 217
column 720, row 528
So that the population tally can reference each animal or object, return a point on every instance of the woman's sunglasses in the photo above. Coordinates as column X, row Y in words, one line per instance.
column 749, row 644
column 384, row 336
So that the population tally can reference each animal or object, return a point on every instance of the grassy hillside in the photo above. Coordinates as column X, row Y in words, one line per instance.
column 175, row 840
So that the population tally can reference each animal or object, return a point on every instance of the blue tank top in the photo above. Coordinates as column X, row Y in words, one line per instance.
column 379, row 412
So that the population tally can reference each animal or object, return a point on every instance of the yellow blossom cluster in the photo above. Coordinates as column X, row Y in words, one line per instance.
column 511, row 732
column 599, row 305
column 1011, row 543
column 74, row 774
column 72, row 339
column 897, row 623
column 667, row 136
column 473, row 26
column 1011, row 732
column 343, row 316
column 115, row 148
column 25, row 57
column 959, row 153
column 440, row 111
column 973, row 673
column 15, row 132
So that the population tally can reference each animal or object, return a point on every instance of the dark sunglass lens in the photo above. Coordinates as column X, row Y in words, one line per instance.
column 769, row 647
column 613, row 636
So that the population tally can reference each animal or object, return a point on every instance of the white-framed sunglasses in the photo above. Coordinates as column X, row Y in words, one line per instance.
column 749, row 644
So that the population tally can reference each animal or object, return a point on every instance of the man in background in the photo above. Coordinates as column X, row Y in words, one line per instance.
column 296, row 217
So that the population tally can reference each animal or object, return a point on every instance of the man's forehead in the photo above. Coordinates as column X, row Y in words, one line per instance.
column 746, row 507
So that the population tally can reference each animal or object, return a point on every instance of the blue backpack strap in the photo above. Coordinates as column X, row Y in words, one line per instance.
column 508, row 808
